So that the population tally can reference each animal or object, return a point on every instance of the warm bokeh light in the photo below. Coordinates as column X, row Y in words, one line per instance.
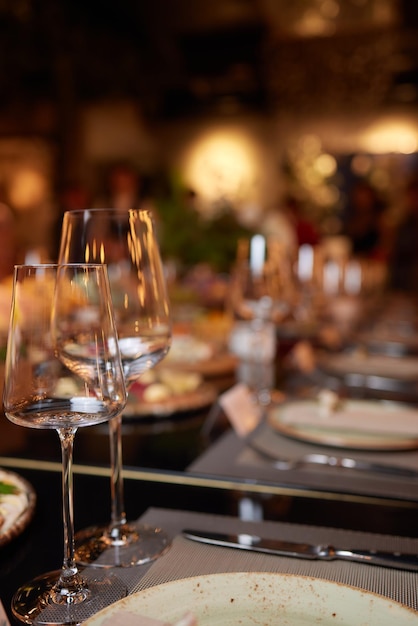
column 28, row 188
column 223, row 164
column 391, row 136
column 326, row 165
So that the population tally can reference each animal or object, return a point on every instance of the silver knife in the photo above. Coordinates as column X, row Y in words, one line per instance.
column 332, row 461
column 323, row 552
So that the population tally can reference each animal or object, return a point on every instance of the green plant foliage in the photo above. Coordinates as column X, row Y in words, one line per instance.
column 189, row 238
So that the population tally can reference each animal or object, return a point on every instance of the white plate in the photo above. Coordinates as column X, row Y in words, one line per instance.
column 357, row 424
column 398, row 368
column 192, row 354
column 242, row 599
column 200, row 398
column 16, row 509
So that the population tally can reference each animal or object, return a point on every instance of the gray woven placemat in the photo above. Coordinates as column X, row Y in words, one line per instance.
column 231, row 457
column 186, row 558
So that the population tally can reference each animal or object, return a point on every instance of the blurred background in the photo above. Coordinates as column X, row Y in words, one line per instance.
column 219, row 114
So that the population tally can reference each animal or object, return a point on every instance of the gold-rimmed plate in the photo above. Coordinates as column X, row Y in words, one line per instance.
column 248, row 598
column 16, row 508
column 355, row 424
column 186, row 402
column 403, row 368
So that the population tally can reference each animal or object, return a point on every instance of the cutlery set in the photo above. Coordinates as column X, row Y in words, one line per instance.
column 332, row 461
column 322, row 552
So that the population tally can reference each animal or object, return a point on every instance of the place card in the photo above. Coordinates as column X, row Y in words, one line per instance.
column 3, row 617
column 241, row 409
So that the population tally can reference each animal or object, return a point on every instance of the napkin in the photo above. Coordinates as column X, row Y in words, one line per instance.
column 361, row 415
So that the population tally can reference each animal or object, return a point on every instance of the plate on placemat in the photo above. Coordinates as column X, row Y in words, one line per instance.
column 403, row 368
column 17, row 505
column 188, row 401
column 220, row 364
column 356, row 424
column 191, row 354
column 255, row 598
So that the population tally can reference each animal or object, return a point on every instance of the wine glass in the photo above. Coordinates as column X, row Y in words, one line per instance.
column 63, row 371
column 126, row 241
column 260, row 298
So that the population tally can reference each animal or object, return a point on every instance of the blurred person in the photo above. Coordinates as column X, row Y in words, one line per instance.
column 403, row 261
column 8, row 241
column 8, row 258
column 306, row 231
column 122, row 188
column 289, row 224
column 364, row 221
column 278, row 224
column 74, row 195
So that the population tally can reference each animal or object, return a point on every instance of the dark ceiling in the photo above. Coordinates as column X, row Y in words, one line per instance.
column 186, row 57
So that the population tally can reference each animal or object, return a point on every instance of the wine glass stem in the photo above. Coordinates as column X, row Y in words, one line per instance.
column 70, row 583
column 118, row 515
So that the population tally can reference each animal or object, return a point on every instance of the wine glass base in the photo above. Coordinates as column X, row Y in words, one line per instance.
column 34, row 603
column 133, row 544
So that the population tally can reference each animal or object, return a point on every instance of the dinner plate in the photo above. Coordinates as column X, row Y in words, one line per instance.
column 242, row 599
column 219, row 364
column 356, row 424
column 400, row 368
column 386, row 342
column 191, row 354
column 200, row 398
column 16, row 509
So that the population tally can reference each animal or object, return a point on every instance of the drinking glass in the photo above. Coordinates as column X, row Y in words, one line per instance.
column 63, row 371
column 126, row 241
column 261, row 292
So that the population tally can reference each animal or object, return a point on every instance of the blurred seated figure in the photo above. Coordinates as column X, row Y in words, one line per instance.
column 74, row 196
column 123, row 188
column 8, row 241
column 277, row 224
column 364, row 221
column 8, row 258
column 306, row 231
column 289, row 225
column 403, row 268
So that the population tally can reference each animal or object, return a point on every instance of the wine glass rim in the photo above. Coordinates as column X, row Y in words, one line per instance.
column 113, row 210
column 56, row 265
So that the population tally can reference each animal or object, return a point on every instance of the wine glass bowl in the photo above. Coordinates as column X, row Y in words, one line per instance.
column 63, row 371
column 262, row 280
column 126, row 242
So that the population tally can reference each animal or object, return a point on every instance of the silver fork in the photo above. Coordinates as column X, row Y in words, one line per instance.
column 333, row 461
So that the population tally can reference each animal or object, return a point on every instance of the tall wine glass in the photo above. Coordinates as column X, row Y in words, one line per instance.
column 63, row 371
column 260, row 298
column 126, row 241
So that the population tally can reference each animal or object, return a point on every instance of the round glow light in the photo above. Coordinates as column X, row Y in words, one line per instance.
column 392, row 137
column 27, row 189
column 326, row 165
column 222, row 164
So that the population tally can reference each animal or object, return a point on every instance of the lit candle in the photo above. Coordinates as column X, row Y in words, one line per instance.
column 257, row 254
column 305, row 263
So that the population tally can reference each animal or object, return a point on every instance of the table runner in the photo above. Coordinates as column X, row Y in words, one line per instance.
column 186, row 558
column 231, row 457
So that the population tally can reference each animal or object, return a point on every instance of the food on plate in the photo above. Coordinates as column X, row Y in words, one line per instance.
column 189, row 349
column 13, row 502
column 329, row 402
column 160, row 384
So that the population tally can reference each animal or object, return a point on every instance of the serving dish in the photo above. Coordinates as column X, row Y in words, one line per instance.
column 245, row 598
column 17, row 505
column 355, row 424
